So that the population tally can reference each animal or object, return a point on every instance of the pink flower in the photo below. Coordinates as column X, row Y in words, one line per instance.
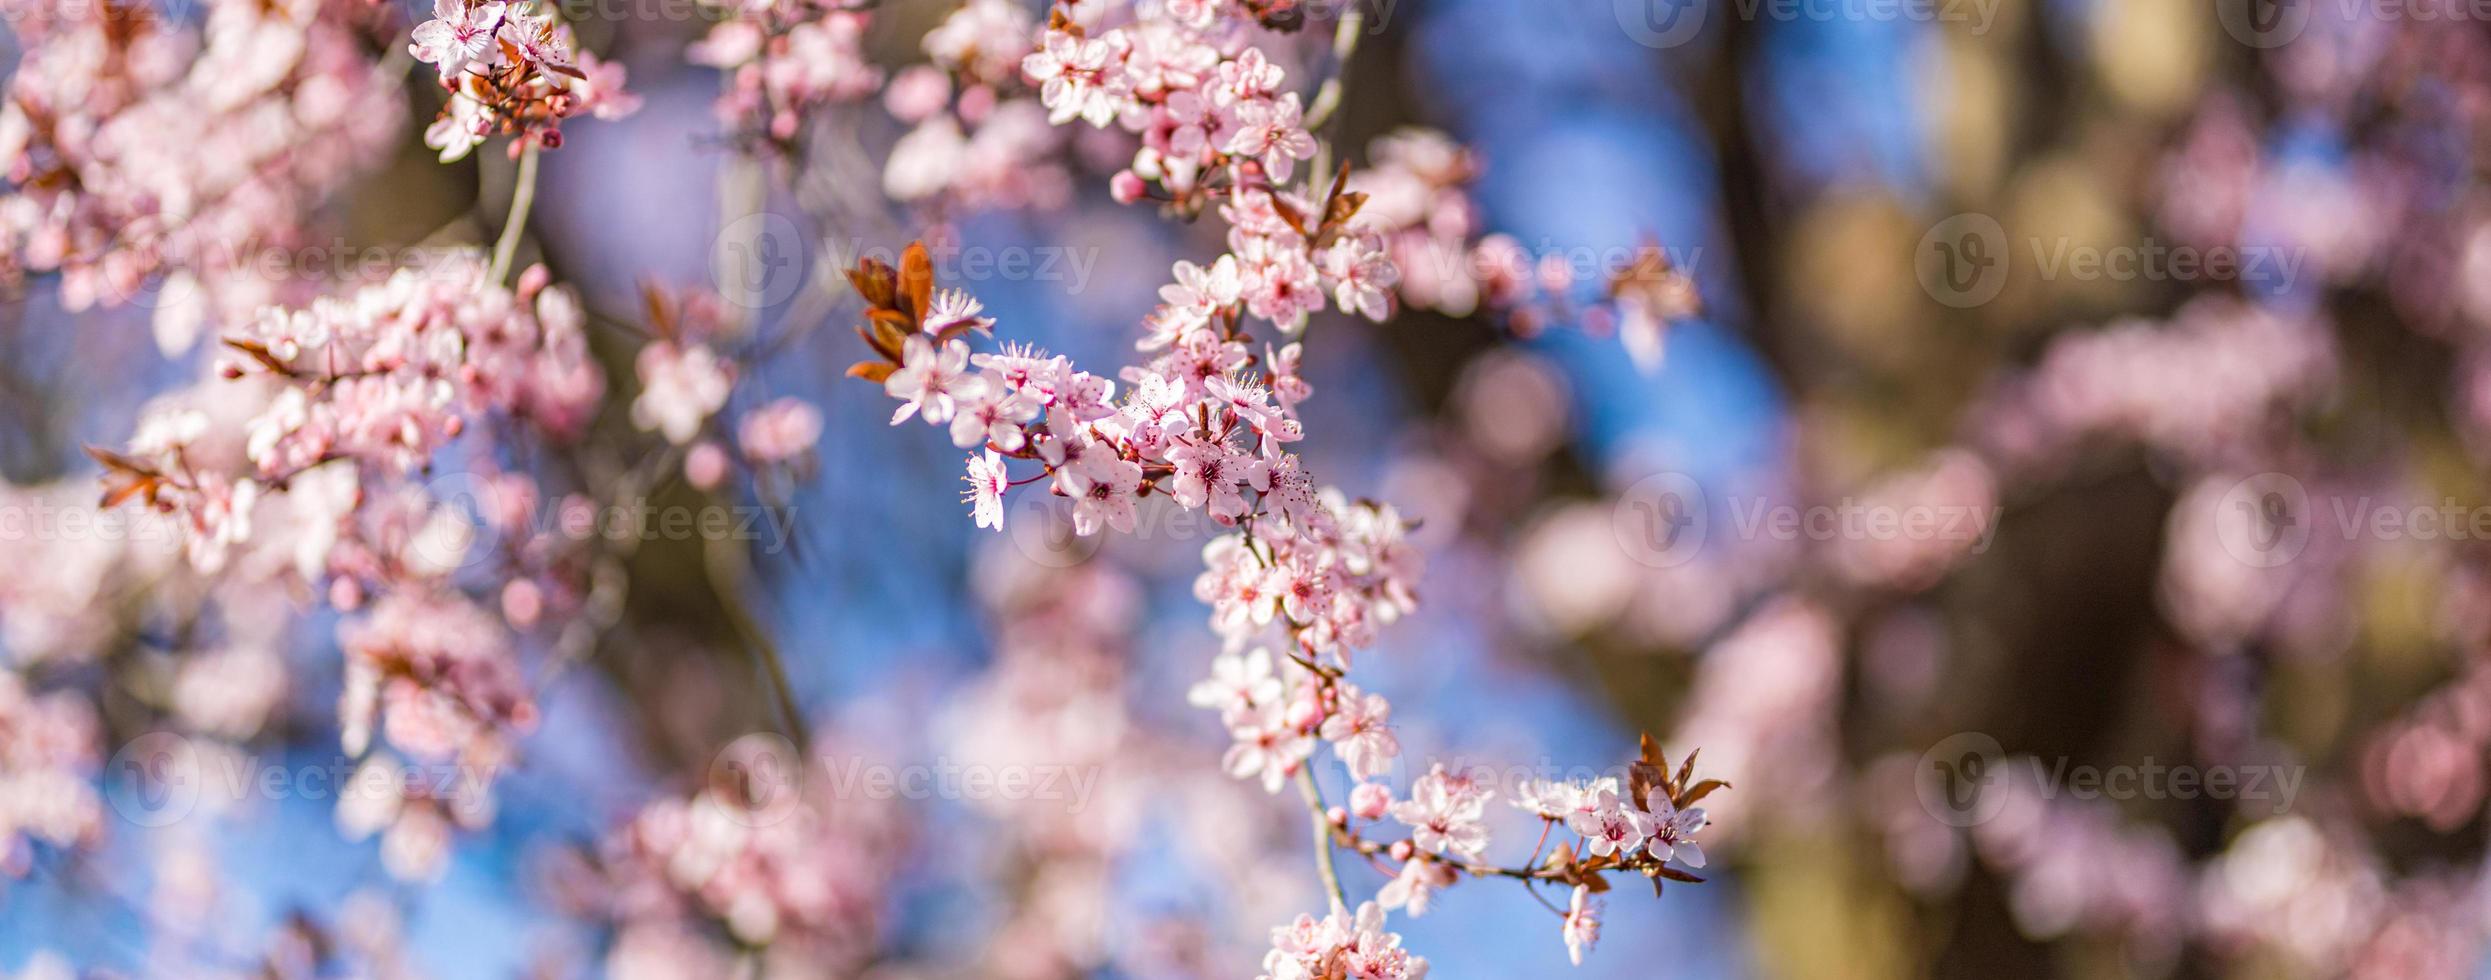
column 1444, row 816
column 1208, row 474
column 988, row 413
column 1237, row 683
column 927, row 378
column 680, row 388
column 1419, row 880
column 1370, row 801
column 1674, row 831
column 1073, row 79
column 1359, row 734
column 1268, row 130
column 459, row 36
column 1103, row 487
column 1341, row 945
column 987, row 483
column 1363, row 277
column 956, row 308
column 1582, row 927
column 779, row 431
column 1267, row 747
column 1617, row 829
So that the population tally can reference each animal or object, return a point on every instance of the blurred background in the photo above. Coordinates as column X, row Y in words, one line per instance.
column 2082, row 387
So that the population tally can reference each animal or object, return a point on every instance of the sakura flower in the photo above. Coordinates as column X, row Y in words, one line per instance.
column 1202, row 290
column 1341, row 945
column 459, row 36
column 1617, row 830
column 1444, row 816
column 988, row 412
column 1582, row 927
column 1103, row 487
column 1208, row 474
column 1673, row 834
column 1370, row 801
column 1082, row 397
column 779, row 431
column 536, row 39
column 1287, row 387
column 1267, row 747
column 1362, row 276
column 461, row 127
column 680, row 388
column 1074, row 79
column 1268, row 130
column 987, row 483
column 1548, row 799
column 927, row 378
column 1359, row 734
column 1418, row 881
column 1237, row 682
column 1590, row 801
column 956, row 309
column 1023, row 370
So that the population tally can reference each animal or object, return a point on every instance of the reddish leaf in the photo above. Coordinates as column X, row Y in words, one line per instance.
column 916, row 281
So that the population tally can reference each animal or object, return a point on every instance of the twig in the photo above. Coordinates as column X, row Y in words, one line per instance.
column 522, row 199
column 1323, row 836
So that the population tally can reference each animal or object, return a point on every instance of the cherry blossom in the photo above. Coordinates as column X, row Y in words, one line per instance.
column 1582, row 927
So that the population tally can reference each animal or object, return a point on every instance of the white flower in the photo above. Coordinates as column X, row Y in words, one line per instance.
column 926, row 379
column 1582, row 927
column 987, row 482
column 1418, row 881
column 1237, row 682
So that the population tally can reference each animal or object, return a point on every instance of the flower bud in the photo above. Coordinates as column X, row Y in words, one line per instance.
column 1370, row 800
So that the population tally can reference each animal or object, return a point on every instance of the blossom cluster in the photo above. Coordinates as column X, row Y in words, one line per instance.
column 786, row 61
column 1417, row 198
column 506, row 69
column 1340, row 945
column 137, row 151
column 768, row 856
column 1200, row 426
column 47, row 767
column 1209, row 106
column 981, row 139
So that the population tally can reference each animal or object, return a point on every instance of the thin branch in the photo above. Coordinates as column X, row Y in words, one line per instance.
column 522, row 199
column 1323, row 836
